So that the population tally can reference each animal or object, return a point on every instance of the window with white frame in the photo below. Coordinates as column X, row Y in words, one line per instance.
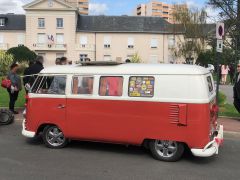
column 107, row 57
column 59, row 22
column 83, row 41
column 83, row 57
column 171, row 41
column 21, row 39
column 130, row 43
column 41, row 22
column 154, row 43
column 59, row 39
column 41, row 37
column 2, row 22
column 107, row 41
column 59, row 55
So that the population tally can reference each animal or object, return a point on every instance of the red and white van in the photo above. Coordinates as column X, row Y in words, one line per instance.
column 165, row 107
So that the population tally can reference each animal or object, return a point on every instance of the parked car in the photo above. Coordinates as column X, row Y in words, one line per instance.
column 164, row 107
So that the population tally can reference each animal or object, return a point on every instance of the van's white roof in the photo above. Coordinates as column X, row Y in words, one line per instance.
column 129, row 68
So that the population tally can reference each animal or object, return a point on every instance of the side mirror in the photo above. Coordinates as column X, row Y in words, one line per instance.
column 27, row 87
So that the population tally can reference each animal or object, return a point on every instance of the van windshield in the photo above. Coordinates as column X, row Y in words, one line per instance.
column 210, row 84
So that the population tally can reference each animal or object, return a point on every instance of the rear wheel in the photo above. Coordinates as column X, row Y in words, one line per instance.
column 6, row 117
column 53, row 137
column 166, row 150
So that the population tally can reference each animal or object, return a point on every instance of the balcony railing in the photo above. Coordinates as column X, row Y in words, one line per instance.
column 85, row 47
column 3, row 46
column 50, row 47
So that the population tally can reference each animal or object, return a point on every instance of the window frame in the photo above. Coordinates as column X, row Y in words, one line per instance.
column 152, row 44
column 88, row 76
column 99, row 85
column 2, row 22
column 41, row 81
column 59, row 27
column 41, row 23
column 141, row 96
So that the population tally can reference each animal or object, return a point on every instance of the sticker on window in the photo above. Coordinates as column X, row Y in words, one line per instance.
column 141, row 86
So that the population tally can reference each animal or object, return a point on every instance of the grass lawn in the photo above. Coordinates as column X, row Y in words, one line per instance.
column 225, row 109
column 4, row 98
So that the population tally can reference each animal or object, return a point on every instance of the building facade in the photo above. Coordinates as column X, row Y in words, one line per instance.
column 159, row 9
column 57, row 29
column 82, row 5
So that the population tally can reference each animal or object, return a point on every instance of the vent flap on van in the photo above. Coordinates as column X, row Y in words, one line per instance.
column 178, row 114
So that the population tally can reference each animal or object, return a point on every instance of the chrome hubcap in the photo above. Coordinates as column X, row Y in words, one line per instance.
column 55, row 136
column 166, row 148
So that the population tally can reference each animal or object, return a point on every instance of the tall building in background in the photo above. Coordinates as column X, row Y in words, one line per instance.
column 160, row 9
column 82, row 5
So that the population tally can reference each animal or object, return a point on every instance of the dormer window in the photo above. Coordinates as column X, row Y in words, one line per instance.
column 2, row 21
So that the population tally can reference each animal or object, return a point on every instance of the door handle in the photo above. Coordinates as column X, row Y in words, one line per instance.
column 61, row 106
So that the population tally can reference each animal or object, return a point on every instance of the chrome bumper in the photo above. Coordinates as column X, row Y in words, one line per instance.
column 212, row 147
column 26, row 133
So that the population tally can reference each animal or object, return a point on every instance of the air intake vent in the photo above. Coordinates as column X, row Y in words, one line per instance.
column 178, row 114
column 174, row 114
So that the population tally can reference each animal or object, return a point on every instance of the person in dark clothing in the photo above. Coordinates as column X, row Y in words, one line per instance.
column 26, row 75
column 231, row 73
column 236, row 90
column 63, row 61
column 33, row 70
column 16, row 86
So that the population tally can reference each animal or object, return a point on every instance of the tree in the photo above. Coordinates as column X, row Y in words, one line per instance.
column 136, row 58
column 22, row 53
column 5, row 62
column 195, row 36
column 229, row 13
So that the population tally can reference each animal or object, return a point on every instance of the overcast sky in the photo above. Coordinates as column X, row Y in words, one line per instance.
column 106, row 7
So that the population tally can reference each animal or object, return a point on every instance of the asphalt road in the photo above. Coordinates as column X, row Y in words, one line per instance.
column 22, row 159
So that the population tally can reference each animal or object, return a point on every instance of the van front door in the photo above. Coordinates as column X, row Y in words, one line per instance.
column 48, row 100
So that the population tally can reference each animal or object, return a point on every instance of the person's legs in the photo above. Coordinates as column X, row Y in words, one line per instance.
column 13, row 97
column 11, row 101
column 237, row 104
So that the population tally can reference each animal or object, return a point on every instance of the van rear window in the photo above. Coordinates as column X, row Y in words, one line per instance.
column 210, row 85
column 141, row 86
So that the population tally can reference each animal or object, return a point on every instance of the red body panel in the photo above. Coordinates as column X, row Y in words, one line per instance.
column 118, row 121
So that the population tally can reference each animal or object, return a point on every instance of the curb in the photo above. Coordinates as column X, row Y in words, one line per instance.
column 234, row 118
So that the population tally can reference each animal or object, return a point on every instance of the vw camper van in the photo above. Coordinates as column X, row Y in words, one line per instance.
column 166, row 108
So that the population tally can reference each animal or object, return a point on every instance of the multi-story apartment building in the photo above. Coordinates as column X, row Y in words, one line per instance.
column 57, row 29
column 159, row 9
column 82, row 5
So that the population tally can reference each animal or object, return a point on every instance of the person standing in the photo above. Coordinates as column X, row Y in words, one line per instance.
column 16, row 86
column 224, row 70
column 236, row 90
column 63, row 61
column 231, row 73
column 35, row 69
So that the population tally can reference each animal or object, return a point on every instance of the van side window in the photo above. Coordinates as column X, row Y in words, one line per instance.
column 50, row 85
column 210, row 85
column 141, row 86
column 110, row 86
column 82, row 85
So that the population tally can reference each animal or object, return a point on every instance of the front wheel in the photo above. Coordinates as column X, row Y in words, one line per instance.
column 166, row 150
column 53, row 137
